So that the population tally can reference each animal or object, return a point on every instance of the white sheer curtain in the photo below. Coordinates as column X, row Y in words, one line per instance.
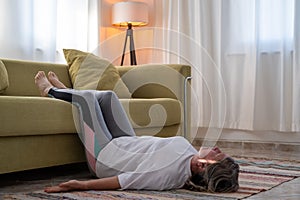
column 245, row 54
column 245, row 57
column 40, row 29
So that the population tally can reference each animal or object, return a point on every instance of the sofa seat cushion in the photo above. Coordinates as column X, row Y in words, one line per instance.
column 21, row 116
column 34, row 116
column 156, row 112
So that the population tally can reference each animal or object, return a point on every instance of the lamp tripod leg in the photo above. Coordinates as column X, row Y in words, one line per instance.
column 129, row 34
column 124, row 49
column 132, row 51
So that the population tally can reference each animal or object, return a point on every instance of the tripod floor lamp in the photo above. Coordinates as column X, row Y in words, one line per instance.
column 129, row 14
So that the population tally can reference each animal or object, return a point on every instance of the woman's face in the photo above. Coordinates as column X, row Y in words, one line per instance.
column 206, row 156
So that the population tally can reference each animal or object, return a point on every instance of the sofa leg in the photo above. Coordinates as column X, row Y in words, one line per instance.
column 185, row 111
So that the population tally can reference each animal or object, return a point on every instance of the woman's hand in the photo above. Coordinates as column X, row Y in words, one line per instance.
column 109, row 183
column 214, row 154
column 66, row 186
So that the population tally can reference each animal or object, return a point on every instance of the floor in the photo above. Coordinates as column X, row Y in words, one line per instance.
column 38, row 179
column 286, row 191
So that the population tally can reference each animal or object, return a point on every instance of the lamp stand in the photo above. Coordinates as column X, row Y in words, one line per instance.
column 129, row 34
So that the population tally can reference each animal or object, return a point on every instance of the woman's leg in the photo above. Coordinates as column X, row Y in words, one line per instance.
column 94, row 133
column 109, row 112
column 102, row 115
column 103, row 118
column 118, row 123
column 114, row 114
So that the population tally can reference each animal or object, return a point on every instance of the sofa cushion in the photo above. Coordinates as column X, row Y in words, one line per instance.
column 3, row 78
column 34, row 116
column 88, row 71
column 155, row 80
column 149, row 113
column 21, row 116
column 21, row 76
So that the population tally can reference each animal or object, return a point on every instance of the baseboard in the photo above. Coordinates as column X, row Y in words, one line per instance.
column 264, row 140
column 252, row 145
column 252, row 136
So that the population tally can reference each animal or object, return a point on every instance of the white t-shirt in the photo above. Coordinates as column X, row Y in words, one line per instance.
column 147, row 162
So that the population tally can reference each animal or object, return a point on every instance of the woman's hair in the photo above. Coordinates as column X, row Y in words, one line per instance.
column 221, row 176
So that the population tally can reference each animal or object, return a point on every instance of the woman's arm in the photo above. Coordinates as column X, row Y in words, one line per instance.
column 110, row 183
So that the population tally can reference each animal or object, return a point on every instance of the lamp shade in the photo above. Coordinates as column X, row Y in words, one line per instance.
column 135, row 13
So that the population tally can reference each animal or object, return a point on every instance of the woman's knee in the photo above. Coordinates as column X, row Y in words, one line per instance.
column 106, row 96
column 109, row 94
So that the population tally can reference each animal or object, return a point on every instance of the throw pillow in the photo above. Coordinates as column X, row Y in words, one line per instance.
column 3, row 78
column 88, row 71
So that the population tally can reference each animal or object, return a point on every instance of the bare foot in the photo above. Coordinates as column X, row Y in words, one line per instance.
column 53, row 78
column 42, row 83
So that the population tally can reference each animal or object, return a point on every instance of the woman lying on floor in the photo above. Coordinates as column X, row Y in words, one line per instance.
column 121, row 160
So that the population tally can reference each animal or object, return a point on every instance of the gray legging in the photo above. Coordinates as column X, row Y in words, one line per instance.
column 102, row 118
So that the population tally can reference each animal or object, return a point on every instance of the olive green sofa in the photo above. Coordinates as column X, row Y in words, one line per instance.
column 37, row 132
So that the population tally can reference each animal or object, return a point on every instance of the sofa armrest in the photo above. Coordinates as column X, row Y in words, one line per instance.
column 155, row 80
